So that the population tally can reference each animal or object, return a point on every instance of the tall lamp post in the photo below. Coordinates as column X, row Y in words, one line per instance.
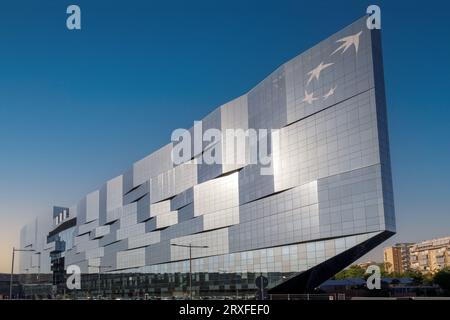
column 12, row 267
column 99, row 269
column 190, row 246
column 39, row 265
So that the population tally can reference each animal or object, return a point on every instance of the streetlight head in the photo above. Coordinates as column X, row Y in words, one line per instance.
column 24, row 250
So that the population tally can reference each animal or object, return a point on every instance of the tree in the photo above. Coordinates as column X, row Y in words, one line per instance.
column 351, row 272
column 428, row 279
column 442, row 279
column 387, row 266
column 384, row 267
column 416, row 276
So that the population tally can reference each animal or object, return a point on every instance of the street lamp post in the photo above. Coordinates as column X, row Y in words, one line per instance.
column 12, row 267
column 190, row 246
column 99, row 269
column 39, row 265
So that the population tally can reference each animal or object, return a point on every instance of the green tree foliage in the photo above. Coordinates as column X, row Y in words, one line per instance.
column 416, row 276
column 351, row 272
column 442, row 279
column 383, row 269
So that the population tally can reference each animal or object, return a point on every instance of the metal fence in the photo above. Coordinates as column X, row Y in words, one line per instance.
column 306, row 296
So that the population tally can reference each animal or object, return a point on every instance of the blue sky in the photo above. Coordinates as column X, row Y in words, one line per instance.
column 78, row 107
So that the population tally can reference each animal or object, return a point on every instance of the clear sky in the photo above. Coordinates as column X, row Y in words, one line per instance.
column 79, row 107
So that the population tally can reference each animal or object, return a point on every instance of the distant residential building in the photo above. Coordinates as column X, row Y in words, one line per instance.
column 365, row 265
column 431, row 255
column 397, row 257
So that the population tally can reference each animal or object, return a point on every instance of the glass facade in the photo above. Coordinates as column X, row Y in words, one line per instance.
column 327, row 201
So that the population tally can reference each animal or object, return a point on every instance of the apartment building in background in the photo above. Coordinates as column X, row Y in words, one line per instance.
column 366, row 264
column 430, row 256
column 397, row 258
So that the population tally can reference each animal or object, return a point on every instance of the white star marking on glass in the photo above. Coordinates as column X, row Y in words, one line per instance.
column 315, row 73
column 329, row 93
column 348, row 42
column 309, row 97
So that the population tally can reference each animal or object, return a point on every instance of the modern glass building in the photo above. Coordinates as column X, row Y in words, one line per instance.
column 323, row 200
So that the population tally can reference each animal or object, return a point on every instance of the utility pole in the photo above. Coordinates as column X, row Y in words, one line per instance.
column 12, row 267
column 12, row 272
column 190, row 246
column 190, row 271
column 39, row 265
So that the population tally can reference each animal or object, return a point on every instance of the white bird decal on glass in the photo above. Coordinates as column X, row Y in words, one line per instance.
column 329, row 93
column 348, row 42
column 309, row 97
column 315, row 73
